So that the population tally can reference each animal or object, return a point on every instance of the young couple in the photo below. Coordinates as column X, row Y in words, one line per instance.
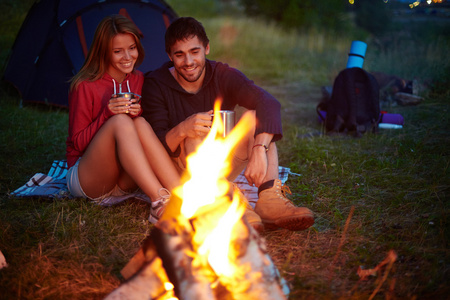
column 116, row 146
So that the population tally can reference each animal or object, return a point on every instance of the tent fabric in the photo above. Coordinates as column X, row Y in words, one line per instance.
column 53, row 41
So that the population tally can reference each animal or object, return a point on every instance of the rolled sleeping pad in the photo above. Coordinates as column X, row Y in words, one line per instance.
column 356, row 55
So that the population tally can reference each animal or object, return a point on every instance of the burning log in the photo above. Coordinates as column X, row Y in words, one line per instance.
column 251, row 273
column 170, row 258
column 259, row 278
column 173, row 244
column 149, row 282
column 202, row 246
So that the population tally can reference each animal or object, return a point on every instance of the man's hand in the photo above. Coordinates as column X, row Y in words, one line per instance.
column 258, row 159
column 257, row 166
column 197, row 125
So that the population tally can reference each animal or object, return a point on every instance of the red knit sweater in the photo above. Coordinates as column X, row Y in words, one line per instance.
column 88, row 110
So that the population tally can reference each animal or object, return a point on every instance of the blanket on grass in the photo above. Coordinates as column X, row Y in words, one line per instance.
column 53, row 185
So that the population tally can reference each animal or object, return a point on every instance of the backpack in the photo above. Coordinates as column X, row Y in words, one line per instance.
column 354, row 105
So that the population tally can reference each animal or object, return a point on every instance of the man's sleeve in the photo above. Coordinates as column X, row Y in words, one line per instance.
column 247, row 94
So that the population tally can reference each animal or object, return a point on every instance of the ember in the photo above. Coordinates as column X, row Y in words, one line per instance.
column 202, row 248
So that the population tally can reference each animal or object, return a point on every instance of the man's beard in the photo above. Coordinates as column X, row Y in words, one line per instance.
column 191, row 79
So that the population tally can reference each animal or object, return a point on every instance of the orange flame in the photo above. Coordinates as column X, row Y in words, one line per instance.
column 207, row 189
column 217, row 244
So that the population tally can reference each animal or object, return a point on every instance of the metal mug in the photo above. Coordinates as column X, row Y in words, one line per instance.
column 229, row 120
column 128, row 95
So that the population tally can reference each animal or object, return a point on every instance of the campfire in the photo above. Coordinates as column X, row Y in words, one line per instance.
column 201, row 247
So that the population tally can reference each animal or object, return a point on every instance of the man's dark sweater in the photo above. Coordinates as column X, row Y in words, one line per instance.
column 165, row 103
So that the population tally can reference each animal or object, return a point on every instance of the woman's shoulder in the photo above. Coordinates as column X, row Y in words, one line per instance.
column 136, row 76
column 87, row 85
column 138, row 73
column 92, row 86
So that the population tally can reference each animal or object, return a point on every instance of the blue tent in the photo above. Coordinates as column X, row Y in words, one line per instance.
column 54, row 39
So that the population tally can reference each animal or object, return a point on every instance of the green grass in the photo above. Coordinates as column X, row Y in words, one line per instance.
column 396, row 181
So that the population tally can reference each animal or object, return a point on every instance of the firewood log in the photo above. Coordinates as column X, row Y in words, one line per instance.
column 257, row 276
column 168, row 255
column 148, row 283
column 173, row 244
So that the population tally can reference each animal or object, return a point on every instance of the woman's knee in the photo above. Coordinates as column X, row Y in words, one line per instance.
column 141, row 122
column 121, row 118
column 119, row 122
column 139, row 119
column 143, row 126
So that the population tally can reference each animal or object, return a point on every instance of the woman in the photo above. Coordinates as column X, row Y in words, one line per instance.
column 111, row 150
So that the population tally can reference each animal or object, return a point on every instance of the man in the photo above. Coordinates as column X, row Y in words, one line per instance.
column 178, row 98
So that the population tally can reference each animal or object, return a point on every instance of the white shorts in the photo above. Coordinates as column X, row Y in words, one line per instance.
column 74, row 186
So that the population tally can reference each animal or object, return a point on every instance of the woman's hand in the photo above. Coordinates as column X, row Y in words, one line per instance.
column 135, row 107
column 120, row 105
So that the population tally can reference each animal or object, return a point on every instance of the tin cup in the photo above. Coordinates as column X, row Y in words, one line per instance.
column 229, row 120
column 135, row 98
column 130, row 96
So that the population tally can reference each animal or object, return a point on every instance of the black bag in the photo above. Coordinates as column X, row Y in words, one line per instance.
column 354, row 105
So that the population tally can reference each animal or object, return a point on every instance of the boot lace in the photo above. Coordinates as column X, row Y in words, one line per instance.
column 285, row 190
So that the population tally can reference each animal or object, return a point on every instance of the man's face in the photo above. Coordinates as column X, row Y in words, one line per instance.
column 188, row 57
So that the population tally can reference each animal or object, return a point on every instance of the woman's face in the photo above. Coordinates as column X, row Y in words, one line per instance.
column 124, row 54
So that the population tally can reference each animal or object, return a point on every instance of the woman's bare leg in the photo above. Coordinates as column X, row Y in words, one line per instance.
column 115, row 151
column 157, row 155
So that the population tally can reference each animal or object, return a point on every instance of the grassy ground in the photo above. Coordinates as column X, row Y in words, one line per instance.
column 381, row 193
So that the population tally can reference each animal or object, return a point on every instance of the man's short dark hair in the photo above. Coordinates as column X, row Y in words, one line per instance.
column 184, row 28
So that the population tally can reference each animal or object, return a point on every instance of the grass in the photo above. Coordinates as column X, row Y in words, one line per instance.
column 382, row 192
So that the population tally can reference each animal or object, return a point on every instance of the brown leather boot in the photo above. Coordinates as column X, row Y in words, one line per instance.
column 276, row 210
column 252, row 218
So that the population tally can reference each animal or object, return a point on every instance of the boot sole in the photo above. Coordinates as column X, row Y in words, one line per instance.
column 293, row 223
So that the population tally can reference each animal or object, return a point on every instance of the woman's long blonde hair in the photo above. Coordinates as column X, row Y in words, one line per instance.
column 99, row 54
